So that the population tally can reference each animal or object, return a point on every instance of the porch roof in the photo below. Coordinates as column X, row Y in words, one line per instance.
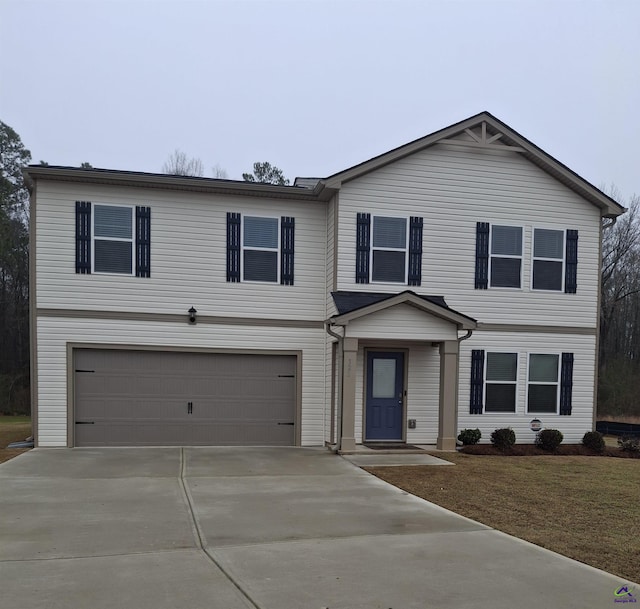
column 353, row 305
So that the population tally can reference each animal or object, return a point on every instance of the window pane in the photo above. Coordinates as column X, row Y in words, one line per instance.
column 547, row 275
column 505, row 272
column 500, row 398
column 502, row 366
column 543, row 368
column 260, row 266
column 548, row 243
column 506, row 240
column 389, row 232
column 260, row 232
column 112, row 221
column 542, row 398
column 388, row 266
column 384, row 378
column 113, row 256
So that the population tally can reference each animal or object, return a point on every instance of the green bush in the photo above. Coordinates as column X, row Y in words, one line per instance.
column 503, row 438
column 549, row 439
column 629, row 444
column 593, row 440
column 469, row 436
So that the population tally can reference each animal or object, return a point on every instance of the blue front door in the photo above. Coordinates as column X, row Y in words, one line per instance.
column 384, row 411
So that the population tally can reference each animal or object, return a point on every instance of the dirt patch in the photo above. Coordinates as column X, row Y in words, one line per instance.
column 13, row 429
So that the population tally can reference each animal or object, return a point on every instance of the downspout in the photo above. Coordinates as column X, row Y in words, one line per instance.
column 613, row 221
column 330, row 332
column 466, row 336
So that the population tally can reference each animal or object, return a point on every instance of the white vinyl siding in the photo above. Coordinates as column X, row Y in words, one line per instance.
column 454, row 188
column 188, row 253
column 55, row 333
column 572, row 426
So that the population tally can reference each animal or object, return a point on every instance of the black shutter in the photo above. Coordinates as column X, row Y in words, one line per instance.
column 83, row 237
column 363, row 244
column 482, row 255
column 143, row 241
column 287, row 242
column 571, row 265
column 415, row 251
column 477, row 381
column 233, row 247
column 566, row 383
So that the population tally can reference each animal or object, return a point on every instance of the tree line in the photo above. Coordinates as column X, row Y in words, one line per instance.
column 619, row 344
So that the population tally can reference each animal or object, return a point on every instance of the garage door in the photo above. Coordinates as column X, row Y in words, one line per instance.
column 153, row 398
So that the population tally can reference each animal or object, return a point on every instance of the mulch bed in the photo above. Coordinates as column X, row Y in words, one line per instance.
column 531, row 450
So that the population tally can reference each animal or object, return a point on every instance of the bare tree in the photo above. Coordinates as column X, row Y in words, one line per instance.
column 619, row 355
column 180, row 164
column 219, row 172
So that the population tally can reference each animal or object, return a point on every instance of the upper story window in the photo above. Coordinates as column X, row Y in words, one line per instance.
column 388, row 249
column 260, row 248
column 506, row 256
column 554, row 264
column 548, row 259
column 113, row 239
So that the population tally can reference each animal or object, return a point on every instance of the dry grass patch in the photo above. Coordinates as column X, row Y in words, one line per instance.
column 586, row 508
column 13, row 429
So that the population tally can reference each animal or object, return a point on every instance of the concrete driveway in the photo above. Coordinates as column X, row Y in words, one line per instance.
column 274, row 528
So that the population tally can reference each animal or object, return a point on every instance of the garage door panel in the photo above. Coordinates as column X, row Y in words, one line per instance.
column 152, row 398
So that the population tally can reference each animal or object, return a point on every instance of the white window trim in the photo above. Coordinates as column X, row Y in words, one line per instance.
column 534, row 258
column 132, row 240
column 390, row 249
column 260, row 249
column 529, row 382
column 485, row 381
column 492, row 256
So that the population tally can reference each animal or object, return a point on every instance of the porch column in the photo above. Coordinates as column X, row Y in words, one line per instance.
column 349, row 358
column 448, row 412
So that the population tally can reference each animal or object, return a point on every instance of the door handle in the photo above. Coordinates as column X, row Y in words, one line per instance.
column 189, row 407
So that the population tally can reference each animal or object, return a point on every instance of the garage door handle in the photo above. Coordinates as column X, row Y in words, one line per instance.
column 189, row 407
column 292, row 423
column 85, row 423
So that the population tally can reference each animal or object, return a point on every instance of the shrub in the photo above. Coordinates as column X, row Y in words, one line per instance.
column 629, row 444
column 549, row 439
column 594, row 441
column 469, row 436
column 503, row 438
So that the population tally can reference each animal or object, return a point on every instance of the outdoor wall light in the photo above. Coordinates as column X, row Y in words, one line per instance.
column 192, row 315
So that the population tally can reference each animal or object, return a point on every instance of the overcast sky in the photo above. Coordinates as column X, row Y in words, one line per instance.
column 316, row 86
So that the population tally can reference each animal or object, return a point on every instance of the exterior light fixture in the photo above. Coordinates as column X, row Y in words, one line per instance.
column 192, row 315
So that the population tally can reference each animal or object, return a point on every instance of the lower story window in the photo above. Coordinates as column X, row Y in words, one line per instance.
column 501, row 382
column 542, row 390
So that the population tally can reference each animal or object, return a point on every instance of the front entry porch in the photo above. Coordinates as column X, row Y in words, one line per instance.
column 397, row 371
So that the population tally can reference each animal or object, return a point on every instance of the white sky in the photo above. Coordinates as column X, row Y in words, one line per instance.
column 316, row 86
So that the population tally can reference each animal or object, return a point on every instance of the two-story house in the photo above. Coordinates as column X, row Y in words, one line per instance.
column 452, row 282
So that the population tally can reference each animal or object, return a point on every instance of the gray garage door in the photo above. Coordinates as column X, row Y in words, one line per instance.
column 153, row 398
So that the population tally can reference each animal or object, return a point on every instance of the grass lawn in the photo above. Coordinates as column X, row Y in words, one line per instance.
column 13, row 429
column 587, row 508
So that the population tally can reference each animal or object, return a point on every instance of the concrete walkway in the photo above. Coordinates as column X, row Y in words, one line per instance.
column 274, row 528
